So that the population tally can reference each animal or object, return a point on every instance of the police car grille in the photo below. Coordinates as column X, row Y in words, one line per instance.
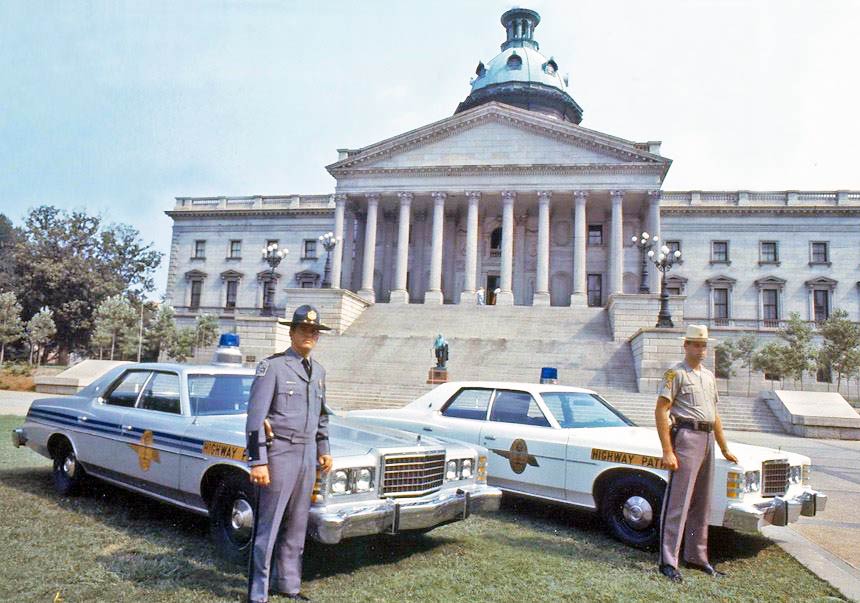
column 774, row 477
column 412, row 474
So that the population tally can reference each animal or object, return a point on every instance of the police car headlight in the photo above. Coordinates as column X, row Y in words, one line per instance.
column 752, row 481
column 362, row 479
column 339, row 482
column 451, row 470
column 466, row 469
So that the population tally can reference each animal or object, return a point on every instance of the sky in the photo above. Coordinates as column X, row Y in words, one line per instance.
column 118, row 107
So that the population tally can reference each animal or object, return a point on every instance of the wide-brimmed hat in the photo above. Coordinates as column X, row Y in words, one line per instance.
column 696, row 333
column 305, row 315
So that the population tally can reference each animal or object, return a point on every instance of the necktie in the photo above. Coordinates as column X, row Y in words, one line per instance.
column 307, row 364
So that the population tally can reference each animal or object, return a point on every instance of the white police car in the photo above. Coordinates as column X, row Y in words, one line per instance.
column 176, row 433
column 568, row 445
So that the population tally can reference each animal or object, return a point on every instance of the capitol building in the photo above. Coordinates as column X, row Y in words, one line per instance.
column 513, row 195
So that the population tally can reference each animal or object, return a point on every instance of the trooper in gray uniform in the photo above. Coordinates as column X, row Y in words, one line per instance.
column 688, row 424
column 288, row 394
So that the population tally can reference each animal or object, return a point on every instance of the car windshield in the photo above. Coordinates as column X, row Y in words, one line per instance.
column 219, row 394
column 580, row 409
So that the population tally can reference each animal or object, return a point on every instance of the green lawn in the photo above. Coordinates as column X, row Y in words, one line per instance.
column 109, row 545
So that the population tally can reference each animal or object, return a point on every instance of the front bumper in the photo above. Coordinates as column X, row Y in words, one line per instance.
column 19, row 438
column 331, row 524
column 778, row 511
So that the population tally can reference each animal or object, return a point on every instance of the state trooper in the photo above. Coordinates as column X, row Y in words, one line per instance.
column 688, row 425
column 287, row 395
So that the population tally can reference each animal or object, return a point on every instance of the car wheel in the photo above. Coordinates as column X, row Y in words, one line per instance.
column 231, row 517
column 631, row 508
column 68, row 474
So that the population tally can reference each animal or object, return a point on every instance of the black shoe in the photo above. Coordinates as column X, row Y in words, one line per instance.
column 708, row 569
column 296, row 597
column 670, row 572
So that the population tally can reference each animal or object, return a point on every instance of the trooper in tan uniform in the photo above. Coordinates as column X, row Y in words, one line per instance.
column 688, row 425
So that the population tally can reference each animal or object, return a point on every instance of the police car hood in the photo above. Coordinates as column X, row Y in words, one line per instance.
column 644, row 440
column 346, row 436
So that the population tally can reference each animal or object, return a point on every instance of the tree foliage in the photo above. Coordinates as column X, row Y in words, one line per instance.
column 206, row 330
column 114, row 317
column 182, row 347
column 161, row 333
column 71, row 262
column 11, row 325
column 40, row 330
column 841, row 348
column 746, row 347
column 769, row 360
column 798, row 354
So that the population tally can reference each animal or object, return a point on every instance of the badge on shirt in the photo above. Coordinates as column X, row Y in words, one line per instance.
column 262, row 368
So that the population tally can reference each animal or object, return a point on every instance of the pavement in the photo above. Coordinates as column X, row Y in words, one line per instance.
column 828, row 545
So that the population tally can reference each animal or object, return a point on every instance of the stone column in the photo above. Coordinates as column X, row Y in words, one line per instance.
column 506, row 295
column 541, row 297
column 348, row 246
column 471, row 268
column 654, row 230
column 337, row 252
column 433, row 294
column 399, row 294
column 369, row 257
column 580, row 238
column 616, row 244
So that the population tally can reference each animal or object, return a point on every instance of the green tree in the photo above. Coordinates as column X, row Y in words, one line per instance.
column 182, row 347
column 746, row 346
column 161, row 333
column 72, row 262
column 8, row 236
column 100, row 340
column 725, row 354
column 11, row 325
column 799, row 353
column 40, row 330
column 206, row 330
column 115, row 316
column 841, row 348
column 769, row 360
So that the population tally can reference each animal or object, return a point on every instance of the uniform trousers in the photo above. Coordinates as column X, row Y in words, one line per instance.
column 687, row 502
column 282, row 521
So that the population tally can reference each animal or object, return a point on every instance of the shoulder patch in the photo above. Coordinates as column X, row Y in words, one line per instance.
column 669, row 376
column 262, row 368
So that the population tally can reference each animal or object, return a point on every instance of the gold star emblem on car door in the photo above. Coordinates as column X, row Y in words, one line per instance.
column 145, row 452
column 518, row 456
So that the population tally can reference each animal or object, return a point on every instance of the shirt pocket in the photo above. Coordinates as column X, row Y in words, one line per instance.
column 690, row 394
column 288, row 400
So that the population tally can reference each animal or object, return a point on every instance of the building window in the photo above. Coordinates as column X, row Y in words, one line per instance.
column 196, row 290
column 199, row 250
column 821, row 304
column 515, row 62
column 720, row 252
column 768, row 252
column 595, row 234
column 595, row 290
column 496, row 242
column 819, row 253
column 309, row 249
column 673, row 290
column 770, row 307
column 235, row 251
column 232, row 292
column 721, row 306
column 268, row 295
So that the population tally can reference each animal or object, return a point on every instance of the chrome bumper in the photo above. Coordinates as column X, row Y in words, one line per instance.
column 19, row 438
column 331, row 524
column 778, row 511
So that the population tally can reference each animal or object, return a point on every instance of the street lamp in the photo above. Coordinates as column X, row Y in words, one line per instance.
column 663, row 261
column 273, row 256
column 644, row 242
column 329, row 242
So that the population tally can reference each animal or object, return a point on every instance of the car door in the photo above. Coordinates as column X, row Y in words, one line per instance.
column 102, row 441
column 527, row 454
column 463, row 415
column 154, row 430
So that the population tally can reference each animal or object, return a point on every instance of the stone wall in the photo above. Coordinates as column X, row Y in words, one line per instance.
column 628, row 313
column 338, row 307
column 654, row 351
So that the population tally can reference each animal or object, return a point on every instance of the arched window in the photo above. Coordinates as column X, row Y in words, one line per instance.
column 515, row 62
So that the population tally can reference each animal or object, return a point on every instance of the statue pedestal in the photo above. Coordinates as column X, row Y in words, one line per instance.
column 437, row 375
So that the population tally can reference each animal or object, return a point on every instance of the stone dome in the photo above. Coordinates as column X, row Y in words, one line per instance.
column 520, row 75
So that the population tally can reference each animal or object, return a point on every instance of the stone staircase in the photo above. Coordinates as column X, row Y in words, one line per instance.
column 382, row 360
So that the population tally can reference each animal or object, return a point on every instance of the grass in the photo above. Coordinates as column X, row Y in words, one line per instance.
column 110, row 545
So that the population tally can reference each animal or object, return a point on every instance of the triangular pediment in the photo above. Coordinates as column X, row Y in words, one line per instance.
column 770, row 281
column 822, row 282
column 721, row 281
column 497, row 135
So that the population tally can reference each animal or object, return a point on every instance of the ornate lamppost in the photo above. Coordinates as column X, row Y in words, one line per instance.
column 644, row 242
column 273, row 256
column 664, row 260
column 329, row 242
